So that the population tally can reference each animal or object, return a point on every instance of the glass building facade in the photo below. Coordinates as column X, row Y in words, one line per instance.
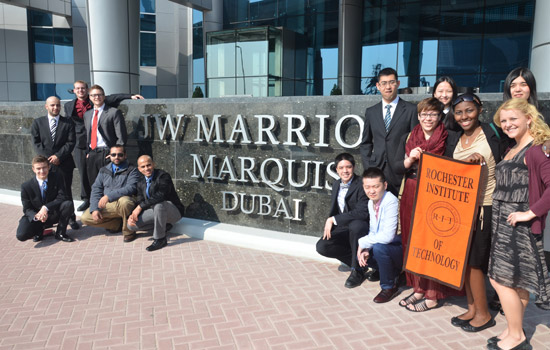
column 477, row 42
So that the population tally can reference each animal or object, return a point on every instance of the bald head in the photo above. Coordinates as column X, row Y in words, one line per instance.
column 146, row 165
column 53, row 106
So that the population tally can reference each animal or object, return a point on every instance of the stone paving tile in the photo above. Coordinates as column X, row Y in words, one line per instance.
column 99, row 293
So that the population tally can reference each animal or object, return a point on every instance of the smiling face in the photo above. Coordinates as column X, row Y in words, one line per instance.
column 53, row 106
column 520, row 89
column 388, row 85
column 374, row 188
column 146, row 165
column 80, row 90
column 41, row 170
column 344, row 169
column 514, row 123
column 444, row 93
column 466, row 114
column 429, row 120
column 97, row 97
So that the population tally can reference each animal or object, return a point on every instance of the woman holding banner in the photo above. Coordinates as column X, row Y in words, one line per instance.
column 428, row 136
column 520, row 203
column 483, row 144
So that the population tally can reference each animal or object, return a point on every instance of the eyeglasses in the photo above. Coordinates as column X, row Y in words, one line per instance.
column 119, row 155
column 96, row 95
column 384, row 83
column 467, row 98
column 429, row 115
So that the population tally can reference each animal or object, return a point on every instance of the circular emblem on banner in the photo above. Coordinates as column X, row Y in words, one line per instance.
column 443, row 219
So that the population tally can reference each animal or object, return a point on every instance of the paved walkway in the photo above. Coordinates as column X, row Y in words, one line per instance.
column 99, row 293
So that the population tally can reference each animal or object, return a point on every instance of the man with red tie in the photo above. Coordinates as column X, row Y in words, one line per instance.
column 105, row 128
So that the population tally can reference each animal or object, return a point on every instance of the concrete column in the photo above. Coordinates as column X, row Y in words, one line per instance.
column 113, row 36
column 349, row 46
column 540, row 50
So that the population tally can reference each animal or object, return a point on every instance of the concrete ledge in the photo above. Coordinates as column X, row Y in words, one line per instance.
column 241, row 236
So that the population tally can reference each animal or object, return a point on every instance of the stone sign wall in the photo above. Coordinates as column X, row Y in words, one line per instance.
column 257, row 162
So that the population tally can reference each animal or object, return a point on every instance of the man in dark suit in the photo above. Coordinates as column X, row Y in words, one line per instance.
column 75, row 110
column 105, row 128
column 45, row 203
column 348, row 221
column 385, row 123
column 158, row 204
column 54, row 138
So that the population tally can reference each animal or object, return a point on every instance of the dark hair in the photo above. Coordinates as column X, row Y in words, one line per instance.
column 119, row 146
column 450, row 81
column 467, row 97
column 430, row 104
column 344, row 156
column 387, row 71
column 39, row 159
column 97, row 87
column 526, row 74
column 374, row 173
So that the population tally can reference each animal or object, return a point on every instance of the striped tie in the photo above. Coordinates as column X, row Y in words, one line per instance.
column 53, row 128
column 387, row 118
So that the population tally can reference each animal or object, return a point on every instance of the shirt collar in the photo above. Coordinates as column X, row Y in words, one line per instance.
column 392, row 103
column 343, row 185
column 100, row 108
column 52, row 117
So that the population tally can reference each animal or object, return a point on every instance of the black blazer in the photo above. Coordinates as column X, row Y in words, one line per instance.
column 31, row 197
column 65, row 139
column 70, row 112
column 378, row 146
column 498, row 141
column 357, row 203
column 112, row 126
column 162, row 189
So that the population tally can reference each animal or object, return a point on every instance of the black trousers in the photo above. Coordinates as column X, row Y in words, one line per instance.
column 80, row 160
column 95, row 161
column 28, row 229
column 343, row 242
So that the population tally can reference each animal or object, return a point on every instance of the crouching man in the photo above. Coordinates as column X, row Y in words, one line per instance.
column 381, row 248
column 158, row 204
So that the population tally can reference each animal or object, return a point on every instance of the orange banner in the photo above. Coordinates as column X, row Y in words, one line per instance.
column 446, row 202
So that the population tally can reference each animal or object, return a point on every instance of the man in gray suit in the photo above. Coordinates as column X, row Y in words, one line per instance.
column 385, row 123
column 105, row 128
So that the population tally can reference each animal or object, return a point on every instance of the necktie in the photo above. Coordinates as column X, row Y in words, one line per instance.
column 44, row 188
column 148, row 186
column 115, row 170
column 93, row 141
column 387, row 117
column 53, row 128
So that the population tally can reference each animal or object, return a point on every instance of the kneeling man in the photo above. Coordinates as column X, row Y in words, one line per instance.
column 45, row 203
column 158, row 204
column 348, row 220
column 381, row 248
column 111, row 199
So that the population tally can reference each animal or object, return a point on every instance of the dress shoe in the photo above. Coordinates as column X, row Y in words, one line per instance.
column 469, row 328
column 458, row 322
column 496, row 339
column 356, row 277
column 386, row 295
column 74, row 225
column 373, row 276
column 129, row 238
column 37, row 238
column 84, row 205
column 524, row 345
column 62, row 236
column 157, row 244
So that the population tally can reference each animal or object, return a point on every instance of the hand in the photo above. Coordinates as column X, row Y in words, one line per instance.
column 133, row 218
column 362, row 256
column 53, row 159
column 520, row 216
column 103, row 202
column 476, row 158
column 137, row 97
column 546, row 148
column 328, row 228
column 42, row 215
column 415, row 153
column 96, row 215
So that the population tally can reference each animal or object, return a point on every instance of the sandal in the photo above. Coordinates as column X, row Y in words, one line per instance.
column 411, row 299
column 422, row 306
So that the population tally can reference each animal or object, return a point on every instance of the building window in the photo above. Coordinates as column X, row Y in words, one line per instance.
column 42, row 91
column 148, row 91
column 49, row 44
column 148, row 36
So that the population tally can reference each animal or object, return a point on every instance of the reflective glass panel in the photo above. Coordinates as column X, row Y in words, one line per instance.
column 328, row 85
column 263, row 9
column 43, row 91
column 40, row 19
column 235, row 11
column 43, row 45
column 459, row 56
column 62, row 91
column 197, row 18
column 221, row 55
column 147, row 6
column 252, row 86
column 63, row 46
column 416, row 58
column 148, row 47
column 378, row 57
column 148, row 91
column 252, row 53
column 221, row 87
column 147, row 23
column 198, row 71
column 329, row 59
column 197, row 43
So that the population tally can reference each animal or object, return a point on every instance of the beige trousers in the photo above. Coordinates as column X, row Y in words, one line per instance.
column 114, row 214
